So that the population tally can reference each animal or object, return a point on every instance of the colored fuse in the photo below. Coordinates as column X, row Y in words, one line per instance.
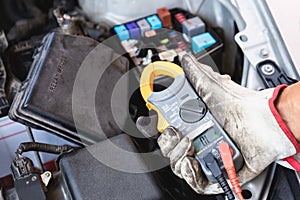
column 122, row 32
column 133, row 30
column 173, row 34
column 150, row 33
column 180, row 18
column 164, row 41
column 193, row 27
column 154, row 22
column 202, row 41
column 181, row 45
column 144, row 26
column 165, row 17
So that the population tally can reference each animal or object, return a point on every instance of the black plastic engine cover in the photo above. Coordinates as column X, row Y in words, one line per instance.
column 88, row 178
column 45, row 98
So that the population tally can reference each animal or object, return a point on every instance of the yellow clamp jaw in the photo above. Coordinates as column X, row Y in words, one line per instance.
column 146, row 85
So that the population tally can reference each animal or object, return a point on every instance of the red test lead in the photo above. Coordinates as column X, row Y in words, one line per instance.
column 226, row 155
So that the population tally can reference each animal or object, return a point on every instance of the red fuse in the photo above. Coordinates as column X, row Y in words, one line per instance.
column 181, row 45
column 165, row 17
column 180, row 18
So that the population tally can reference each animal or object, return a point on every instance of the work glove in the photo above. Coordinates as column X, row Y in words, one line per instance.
column 249, row 117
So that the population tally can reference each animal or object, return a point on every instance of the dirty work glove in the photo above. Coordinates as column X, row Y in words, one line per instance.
column 250, row 119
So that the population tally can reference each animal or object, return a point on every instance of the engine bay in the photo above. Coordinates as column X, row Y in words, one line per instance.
column 70, row 92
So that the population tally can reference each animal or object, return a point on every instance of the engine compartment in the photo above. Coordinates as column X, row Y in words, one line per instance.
column 64, row 65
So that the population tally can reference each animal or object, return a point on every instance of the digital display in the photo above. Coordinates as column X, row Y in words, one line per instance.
column 205, row 139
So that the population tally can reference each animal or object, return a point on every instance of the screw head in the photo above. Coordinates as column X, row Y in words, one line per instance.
column 33, row 178
column 268, row 69
column 264, row 53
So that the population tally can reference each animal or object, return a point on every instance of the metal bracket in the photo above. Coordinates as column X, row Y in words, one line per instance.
column 46, row 177
column 260, row 186
column 255, row 40
column 261, row 39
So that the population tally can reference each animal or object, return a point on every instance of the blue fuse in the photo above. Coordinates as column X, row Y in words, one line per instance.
column 154, row 22
column 133, row 30
column 122, row 32
column 202, row 41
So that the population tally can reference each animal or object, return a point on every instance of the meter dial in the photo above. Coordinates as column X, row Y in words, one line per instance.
column 192, row 111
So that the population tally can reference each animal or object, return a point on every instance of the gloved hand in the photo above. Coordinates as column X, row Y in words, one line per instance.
column 249, row 117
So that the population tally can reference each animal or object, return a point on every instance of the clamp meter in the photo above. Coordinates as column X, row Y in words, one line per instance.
column 180, row 106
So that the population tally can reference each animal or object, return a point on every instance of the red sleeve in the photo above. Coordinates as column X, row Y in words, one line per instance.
column 292, row 161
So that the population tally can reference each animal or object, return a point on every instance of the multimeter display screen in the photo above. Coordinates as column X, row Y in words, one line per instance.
column 205, row 139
